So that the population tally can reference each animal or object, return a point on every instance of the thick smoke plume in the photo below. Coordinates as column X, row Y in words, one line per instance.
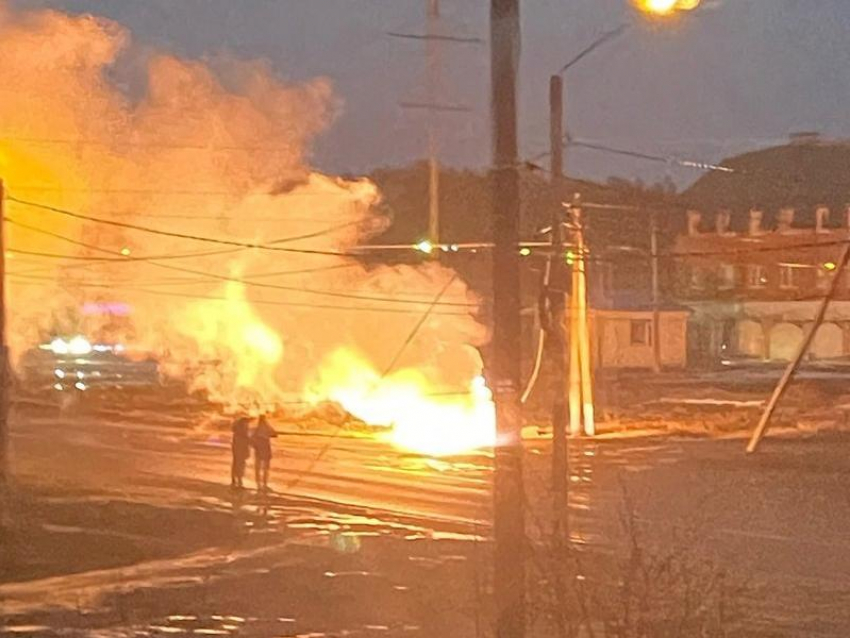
column 90, row 123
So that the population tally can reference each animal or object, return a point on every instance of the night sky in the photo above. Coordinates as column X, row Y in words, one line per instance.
column 735, row 75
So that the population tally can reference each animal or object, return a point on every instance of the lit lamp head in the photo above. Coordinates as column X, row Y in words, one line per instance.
column 425, row 246
column 665, row 7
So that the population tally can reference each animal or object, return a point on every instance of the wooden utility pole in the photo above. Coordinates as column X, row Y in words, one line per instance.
column 801, row 352
column 556, row 126
column 575, row 365
column 509, row 514
column 4, row 354
column 556, row 322
column 557, row 346
column 433, row 55
column 656, row 314
column 583, row 329
column 582, row 413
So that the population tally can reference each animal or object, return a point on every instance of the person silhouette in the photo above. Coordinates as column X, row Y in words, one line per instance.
column 261, row 441
column 241, row 449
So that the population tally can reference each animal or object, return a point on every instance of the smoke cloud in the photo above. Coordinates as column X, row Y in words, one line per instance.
column 91, row 123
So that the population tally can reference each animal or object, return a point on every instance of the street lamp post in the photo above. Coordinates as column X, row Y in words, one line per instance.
column 580, row 386
column 580, row 389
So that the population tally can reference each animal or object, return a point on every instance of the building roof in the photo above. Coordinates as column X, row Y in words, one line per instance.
column 804, row 174
column 636, row 301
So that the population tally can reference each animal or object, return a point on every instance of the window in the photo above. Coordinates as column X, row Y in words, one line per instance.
column 726, row 277
column 641, row 332
column 756, row 276
column 787, row 276
column 696, row 278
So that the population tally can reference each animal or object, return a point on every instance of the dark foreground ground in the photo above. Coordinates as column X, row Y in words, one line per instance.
column 119, row 522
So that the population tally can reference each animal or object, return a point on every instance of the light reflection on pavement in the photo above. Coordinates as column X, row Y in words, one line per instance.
column 779, row 519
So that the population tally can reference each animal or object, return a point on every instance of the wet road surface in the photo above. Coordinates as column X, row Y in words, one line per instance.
column 776, row 522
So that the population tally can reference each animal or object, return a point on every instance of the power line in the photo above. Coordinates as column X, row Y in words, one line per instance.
column 221, row 218
column 189, row 281
column 605, row 37
column 43, row 282
column 436, row 37
column 56, row 141
column 166, row 233
column 157, row 191
column 273, row 245
column 46, row 255
column 110, row 261
column 781, row 181
column 757, row 249
column 665, row 159
column 226, row 278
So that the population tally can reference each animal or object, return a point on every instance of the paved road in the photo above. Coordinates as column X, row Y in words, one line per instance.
column 778, row 521
column 141, row 453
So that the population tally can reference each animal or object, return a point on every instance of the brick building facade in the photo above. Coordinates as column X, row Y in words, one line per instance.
column 754, row 292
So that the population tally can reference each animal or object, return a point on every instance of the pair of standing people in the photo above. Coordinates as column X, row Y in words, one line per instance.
column 243, row 441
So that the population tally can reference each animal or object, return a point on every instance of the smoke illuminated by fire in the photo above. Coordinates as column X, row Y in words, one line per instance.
column 91, row 123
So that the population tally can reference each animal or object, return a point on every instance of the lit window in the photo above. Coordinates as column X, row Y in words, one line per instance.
column 726, row 277
column 641, row 332
column 788, row 277
column 756, row 276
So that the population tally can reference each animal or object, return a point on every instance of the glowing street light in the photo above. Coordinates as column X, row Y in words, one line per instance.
column 425, row 246
column 58, row 346
column 79, row 345
column 666, row 7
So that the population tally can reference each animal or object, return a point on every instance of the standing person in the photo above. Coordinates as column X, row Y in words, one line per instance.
column 241, row 449
column 262, row 442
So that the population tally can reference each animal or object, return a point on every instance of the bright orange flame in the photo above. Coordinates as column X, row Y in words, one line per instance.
column 442, row 426
column 666, row 7
column 420, row 418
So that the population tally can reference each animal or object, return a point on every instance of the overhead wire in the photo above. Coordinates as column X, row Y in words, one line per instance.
column 159, row 191
column 109, row 261
column 678, row 200
column 633, row 251
column 180, row 281
column 274, row 244
column 121, row 258
column 147, row 144
column 231, row 279
column 43, row 282
column 665, row 159
column 172, row 234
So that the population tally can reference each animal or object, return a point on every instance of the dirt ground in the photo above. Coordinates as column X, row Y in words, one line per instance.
column 707, row 403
